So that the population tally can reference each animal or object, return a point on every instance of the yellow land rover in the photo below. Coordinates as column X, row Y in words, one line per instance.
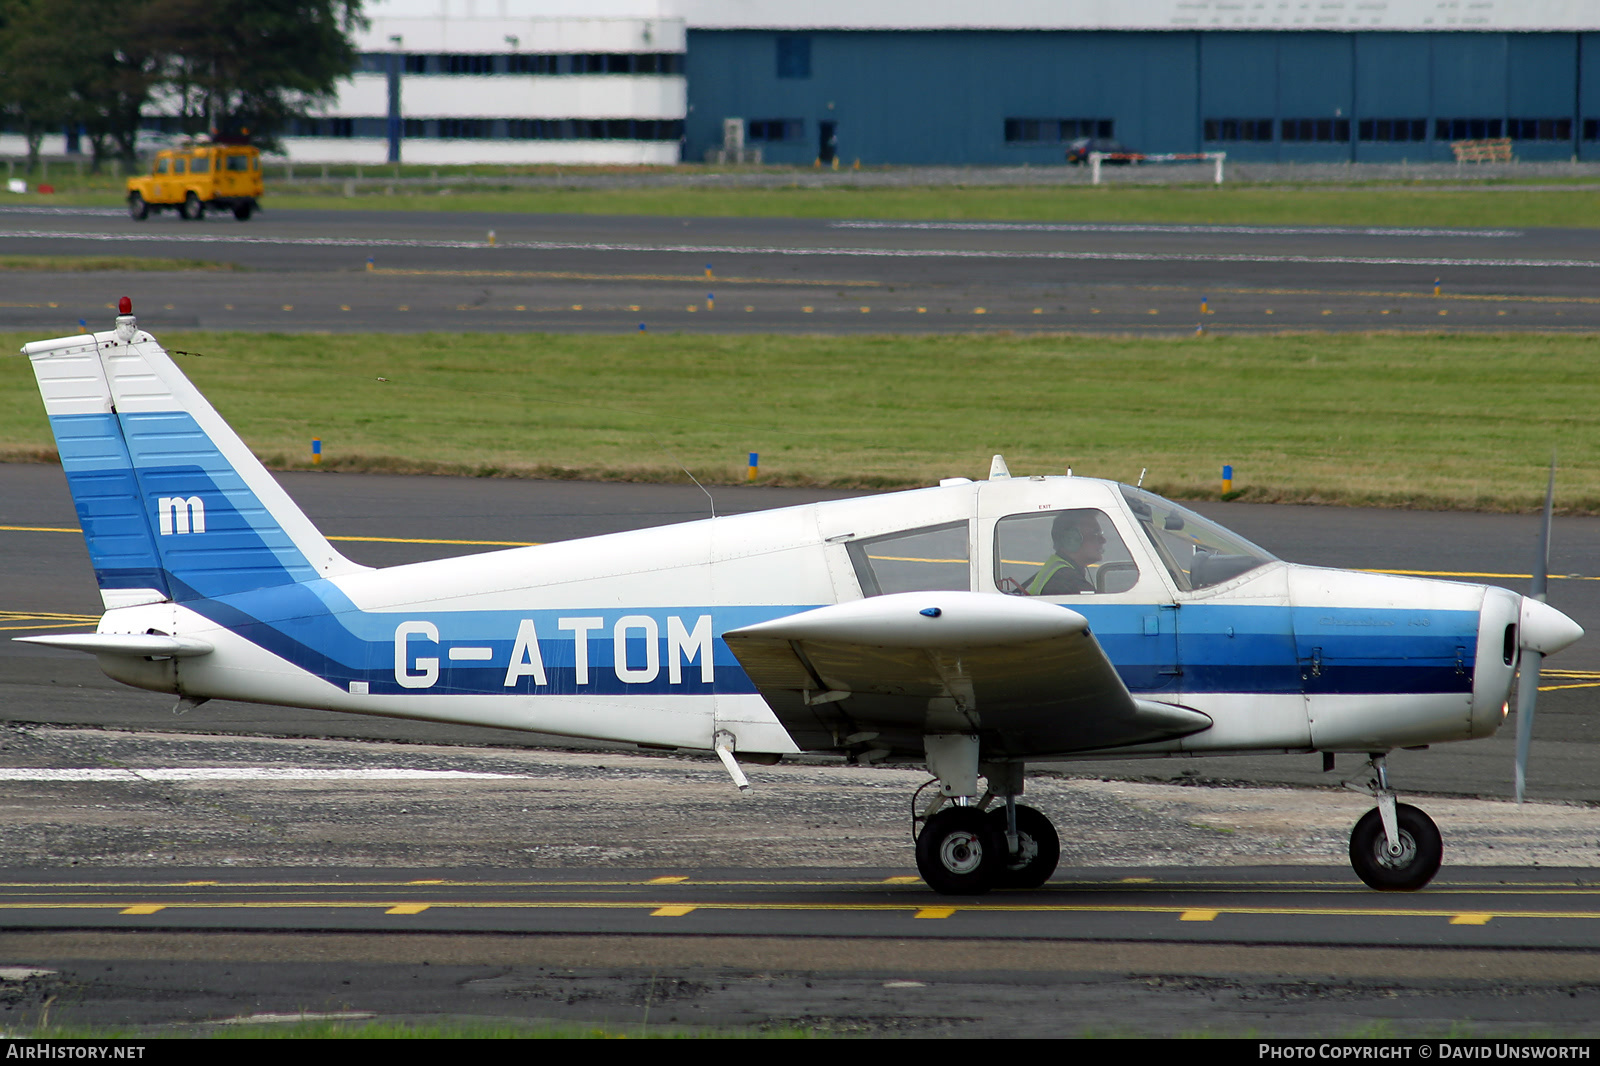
column 199, row 177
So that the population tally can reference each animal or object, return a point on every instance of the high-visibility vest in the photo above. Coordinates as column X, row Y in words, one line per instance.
column 1051, row 567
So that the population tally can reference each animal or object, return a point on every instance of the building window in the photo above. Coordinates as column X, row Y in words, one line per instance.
column 1056, row 130
column 466, row 64
column 794, row 55
column 465, row 128
column 1591, row 129
column 1238, row 129
column 1541, row 129
column 1467, row 129
column 1393, row 129
column 1327, row 130
column 774, row 130
column 324, row 127
column 567, row 129
column 657, row 63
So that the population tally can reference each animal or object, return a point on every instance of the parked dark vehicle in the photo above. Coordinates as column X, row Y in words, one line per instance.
column 1117, row 152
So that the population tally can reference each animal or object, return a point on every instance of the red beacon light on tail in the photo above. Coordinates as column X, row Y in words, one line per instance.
column 124, row 306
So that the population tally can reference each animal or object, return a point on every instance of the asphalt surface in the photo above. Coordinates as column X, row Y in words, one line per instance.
column 308, row 270
column 1220, row 944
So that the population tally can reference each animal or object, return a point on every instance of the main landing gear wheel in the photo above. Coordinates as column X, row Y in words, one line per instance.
column 961, row 851
column 1038, row 849
column 1417, row 860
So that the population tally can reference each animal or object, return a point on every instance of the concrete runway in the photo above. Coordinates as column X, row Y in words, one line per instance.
column 307, row 270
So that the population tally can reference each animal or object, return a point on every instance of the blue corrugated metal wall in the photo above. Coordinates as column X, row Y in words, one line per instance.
column 911, row 97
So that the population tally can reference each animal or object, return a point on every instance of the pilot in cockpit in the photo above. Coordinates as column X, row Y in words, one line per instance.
column 1079, row 544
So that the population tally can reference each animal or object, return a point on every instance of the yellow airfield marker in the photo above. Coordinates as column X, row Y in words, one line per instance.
column 1198, row 916
column 143, row 908
column 1471, row 919
column 934, row 912
column 407, row 908
column 670, row 880
column 674, row 911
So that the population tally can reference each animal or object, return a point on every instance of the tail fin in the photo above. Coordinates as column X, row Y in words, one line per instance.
column 173, row 505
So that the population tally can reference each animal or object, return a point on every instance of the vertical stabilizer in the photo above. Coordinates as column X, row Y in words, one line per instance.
column 172, row 503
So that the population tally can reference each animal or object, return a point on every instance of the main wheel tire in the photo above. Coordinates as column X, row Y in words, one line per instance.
column 242, row 211
column 1038, row 849
column 192, row 208
column 960, row 852
column 1421, row 850
column 138, row 210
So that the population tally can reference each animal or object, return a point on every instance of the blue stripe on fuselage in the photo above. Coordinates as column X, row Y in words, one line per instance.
column 1220, row 648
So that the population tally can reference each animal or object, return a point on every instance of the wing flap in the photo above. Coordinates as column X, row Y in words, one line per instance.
column 1026, row 676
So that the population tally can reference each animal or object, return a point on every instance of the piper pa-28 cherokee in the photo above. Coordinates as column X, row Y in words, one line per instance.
column 978, row 627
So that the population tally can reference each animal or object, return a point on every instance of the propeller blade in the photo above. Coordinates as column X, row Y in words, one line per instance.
column 1532, row 660
column 1527, row 696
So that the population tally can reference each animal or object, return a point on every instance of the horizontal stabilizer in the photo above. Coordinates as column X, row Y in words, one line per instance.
column 140, row 644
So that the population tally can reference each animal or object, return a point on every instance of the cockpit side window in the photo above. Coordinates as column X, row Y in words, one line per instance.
column 914, row 560
column 1074, row 552
column 1198, row 552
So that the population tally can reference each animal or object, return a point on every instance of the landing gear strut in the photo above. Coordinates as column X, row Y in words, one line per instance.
column 967, row 848
column 1395, row 847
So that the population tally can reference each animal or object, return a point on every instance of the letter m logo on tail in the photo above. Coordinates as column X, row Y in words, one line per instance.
column 178, row 515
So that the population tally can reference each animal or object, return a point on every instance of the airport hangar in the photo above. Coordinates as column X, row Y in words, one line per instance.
column 919, row 82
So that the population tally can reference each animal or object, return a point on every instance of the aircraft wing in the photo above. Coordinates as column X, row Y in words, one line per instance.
column 1027, row 677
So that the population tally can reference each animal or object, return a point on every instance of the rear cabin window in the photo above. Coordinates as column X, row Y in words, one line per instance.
column 200, row 165
column 1073, row 552
column 238, row 162
column 916, row 560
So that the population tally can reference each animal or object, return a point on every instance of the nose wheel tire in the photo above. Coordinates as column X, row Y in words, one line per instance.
column 1406, row 869
column 1038, row 849
column 961, row 852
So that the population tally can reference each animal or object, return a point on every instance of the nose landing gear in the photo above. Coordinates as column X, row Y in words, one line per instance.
column 1395, row 847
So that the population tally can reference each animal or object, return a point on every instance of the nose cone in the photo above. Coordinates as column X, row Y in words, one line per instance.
column 1544, row 629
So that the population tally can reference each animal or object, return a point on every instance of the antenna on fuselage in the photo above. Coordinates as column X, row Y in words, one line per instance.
column 1143, row 470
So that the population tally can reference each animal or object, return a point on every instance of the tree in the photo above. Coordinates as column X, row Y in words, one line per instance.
column 228, row 66
column 34, row 87
column 236, row 66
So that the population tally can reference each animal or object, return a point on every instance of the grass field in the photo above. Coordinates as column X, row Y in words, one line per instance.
column 1447, row 421
column 1450, row 203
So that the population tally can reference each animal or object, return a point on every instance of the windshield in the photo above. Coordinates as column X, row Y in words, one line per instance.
column 1198, row 552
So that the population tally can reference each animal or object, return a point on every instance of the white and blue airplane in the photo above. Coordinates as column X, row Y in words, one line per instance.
column 978, row 627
